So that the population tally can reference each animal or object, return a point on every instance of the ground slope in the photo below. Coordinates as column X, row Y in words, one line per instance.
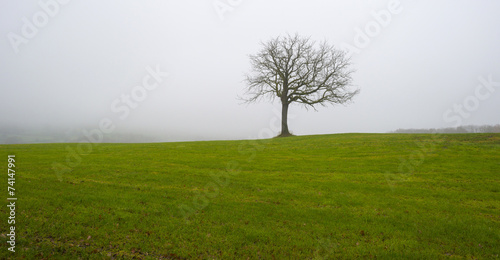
column 310, row 197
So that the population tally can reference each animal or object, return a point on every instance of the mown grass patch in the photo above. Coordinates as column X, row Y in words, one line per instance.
column 304, row 197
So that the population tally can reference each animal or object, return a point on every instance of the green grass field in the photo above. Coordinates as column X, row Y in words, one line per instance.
column 384, row 196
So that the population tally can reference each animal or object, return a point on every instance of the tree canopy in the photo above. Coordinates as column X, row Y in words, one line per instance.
column 297, row 70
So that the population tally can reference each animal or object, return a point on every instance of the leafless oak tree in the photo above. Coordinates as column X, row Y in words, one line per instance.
column 295, row 69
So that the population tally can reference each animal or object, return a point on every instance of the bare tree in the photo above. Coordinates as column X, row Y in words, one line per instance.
column 295, row 69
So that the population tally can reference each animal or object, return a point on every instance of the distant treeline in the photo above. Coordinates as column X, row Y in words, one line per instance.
column 19, row 135
column 452, row 130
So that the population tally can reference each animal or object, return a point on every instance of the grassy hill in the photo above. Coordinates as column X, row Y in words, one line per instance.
column 310, row 197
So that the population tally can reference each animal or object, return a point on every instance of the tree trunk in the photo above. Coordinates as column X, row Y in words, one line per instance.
column 284, row 120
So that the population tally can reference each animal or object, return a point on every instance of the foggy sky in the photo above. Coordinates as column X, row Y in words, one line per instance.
column 419, row 68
